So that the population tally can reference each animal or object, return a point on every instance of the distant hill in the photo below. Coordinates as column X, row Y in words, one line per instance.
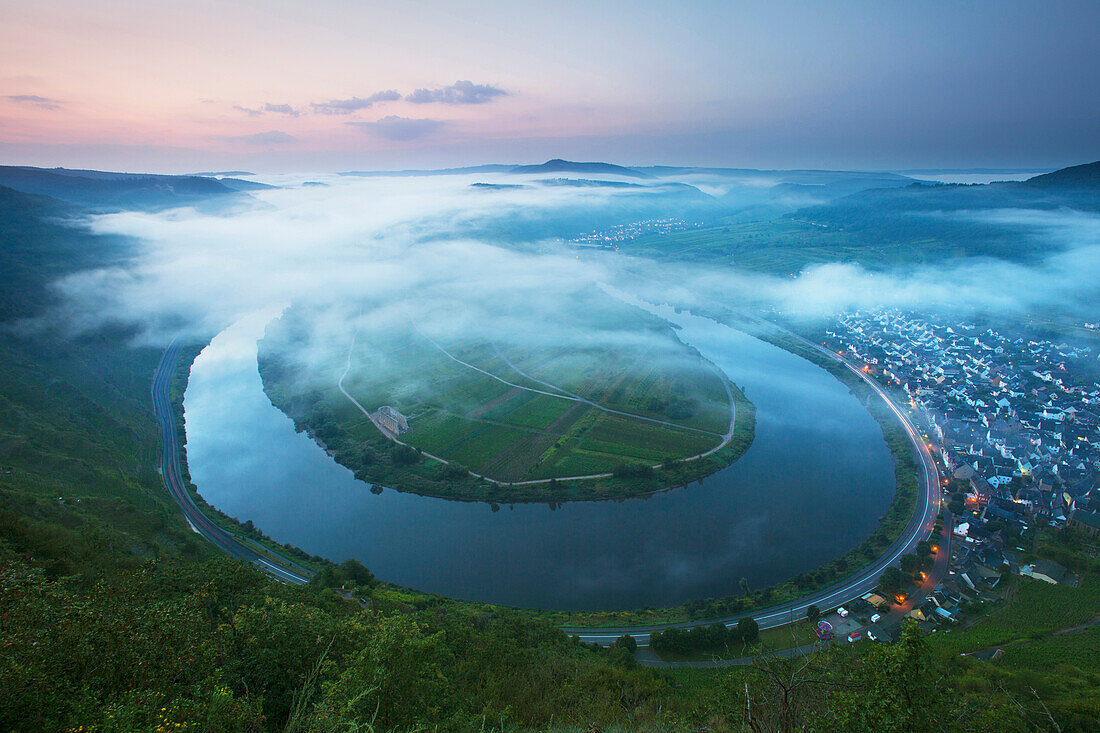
column 557, row 165
column 37, row 246
column 239, row 184
column 488, row 168
column 974, row 171
column 880, row 227
column 207, row 174
column 1085, row 176
column 109, row 191
column 1077, row 187
column 795, row 175
column 588, row 183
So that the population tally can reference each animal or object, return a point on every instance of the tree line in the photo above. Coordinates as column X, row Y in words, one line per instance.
column 677, row 640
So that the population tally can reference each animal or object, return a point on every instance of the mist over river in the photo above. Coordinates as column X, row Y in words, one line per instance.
column 811, row 486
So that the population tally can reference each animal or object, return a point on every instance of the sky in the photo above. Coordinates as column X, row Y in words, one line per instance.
column 326, row 85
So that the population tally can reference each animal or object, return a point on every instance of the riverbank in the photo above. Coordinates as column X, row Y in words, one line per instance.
column 281, row 554
column 485, row 532
column 890, row 527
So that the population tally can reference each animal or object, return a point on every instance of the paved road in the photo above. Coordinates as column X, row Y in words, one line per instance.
column 231, row 544
column 918, row 528
column 942, row 557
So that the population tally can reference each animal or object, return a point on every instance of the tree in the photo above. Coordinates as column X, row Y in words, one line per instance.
column 745, row 586
column 393, row 681
column 748, row 630
column 356, row 573
column 632, row 470
column 890, row 687
column 910, row 563
column 627, row 643
column 891, row 580
column 781, row 694
column 404, row 455
column 454, row 471
column 813, row 614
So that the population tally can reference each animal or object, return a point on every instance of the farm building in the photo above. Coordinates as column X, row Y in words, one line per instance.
column 392, row 420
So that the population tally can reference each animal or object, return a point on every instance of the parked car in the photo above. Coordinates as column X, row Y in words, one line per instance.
column 843, row 612
column 875, row 618
column 855, row 636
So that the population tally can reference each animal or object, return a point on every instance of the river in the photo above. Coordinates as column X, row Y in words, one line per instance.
column 812, row 485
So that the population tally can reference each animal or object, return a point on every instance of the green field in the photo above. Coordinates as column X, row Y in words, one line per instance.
column 877, row 229
column 605, row 389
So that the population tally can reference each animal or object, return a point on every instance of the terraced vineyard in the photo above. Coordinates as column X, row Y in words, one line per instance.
column 601, row 388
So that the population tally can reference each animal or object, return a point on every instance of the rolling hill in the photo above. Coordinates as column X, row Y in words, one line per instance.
column 1086, row 176
column 107, row 191
column 557, row 165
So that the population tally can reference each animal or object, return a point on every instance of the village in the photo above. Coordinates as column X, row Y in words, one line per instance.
column 1015, row 422
column 611, row 237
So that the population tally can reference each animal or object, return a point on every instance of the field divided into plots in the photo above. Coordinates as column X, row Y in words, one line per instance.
column 528, row 390
column 517, row 426
column 605, row 386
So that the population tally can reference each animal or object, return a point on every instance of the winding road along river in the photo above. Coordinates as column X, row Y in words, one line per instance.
column 813, row 485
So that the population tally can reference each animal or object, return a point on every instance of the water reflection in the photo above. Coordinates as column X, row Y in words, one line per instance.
column 813, row 484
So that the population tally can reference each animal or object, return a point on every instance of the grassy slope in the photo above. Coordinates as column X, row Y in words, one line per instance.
column 1034, row 611
column 77, row 436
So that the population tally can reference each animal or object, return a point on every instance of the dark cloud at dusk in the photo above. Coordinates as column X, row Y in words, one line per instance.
column 354, row 104
column 461, row 92
column 35, row 101
column 271, row 137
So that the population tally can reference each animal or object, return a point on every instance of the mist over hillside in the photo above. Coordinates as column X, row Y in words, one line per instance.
column 394, row 236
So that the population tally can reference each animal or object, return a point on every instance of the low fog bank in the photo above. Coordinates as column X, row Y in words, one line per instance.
column 361, row 247
column 1064, row 277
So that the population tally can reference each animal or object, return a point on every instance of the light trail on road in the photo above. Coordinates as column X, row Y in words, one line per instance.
column 172, row 474
column 919, row 527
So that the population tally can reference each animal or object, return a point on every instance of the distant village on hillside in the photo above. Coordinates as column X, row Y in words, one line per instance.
column 611, row 237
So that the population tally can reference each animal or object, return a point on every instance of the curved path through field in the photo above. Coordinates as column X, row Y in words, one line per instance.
column 563, row 394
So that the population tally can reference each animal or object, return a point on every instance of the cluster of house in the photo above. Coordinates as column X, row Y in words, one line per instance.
column 978, row 565
column 1017, row 422
column 976, row 569
column 611, row 237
